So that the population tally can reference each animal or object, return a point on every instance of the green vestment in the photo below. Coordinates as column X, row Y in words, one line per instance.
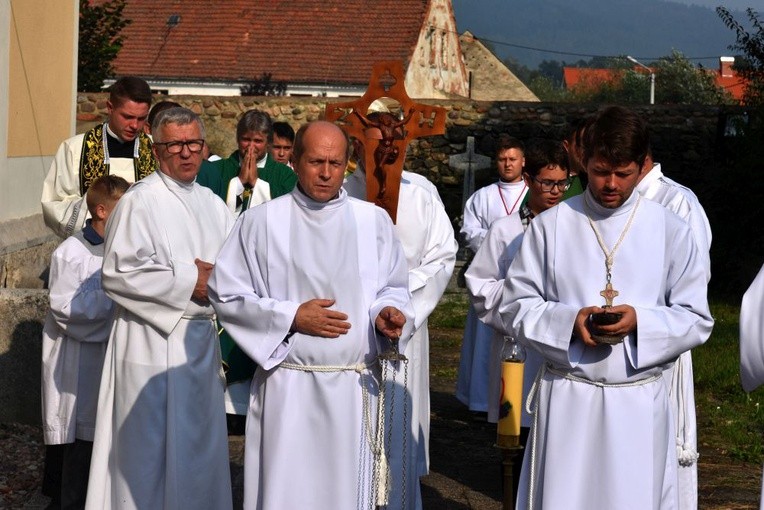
column 216, row 176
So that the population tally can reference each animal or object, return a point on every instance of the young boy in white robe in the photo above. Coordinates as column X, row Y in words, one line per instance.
column 74, row 343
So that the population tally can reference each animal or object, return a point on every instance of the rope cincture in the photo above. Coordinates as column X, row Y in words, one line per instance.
column 531, row 406
column 686, row 453
column 381, row 472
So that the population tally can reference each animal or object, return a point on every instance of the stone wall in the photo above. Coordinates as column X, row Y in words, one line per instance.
column 688, row 140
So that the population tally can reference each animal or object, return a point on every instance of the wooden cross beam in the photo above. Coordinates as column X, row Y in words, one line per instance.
column 385, row 136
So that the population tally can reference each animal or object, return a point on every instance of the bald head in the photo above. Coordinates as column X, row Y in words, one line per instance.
column 321, row 155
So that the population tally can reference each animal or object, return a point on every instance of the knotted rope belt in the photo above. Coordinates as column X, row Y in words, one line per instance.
column 381, row 476
column 531, row 406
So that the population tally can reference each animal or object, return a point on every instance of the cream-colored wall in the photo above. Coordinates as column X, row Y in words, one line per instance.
column 437, row 67
column 38, row 71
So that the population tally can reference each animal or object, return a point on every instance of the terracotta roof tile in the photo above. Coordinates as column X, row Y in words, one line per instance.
column 588, row 78
column 299, row 41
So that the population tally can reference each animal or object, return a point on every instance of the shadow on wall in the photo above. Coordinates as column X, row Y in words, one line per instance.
column 20, row 374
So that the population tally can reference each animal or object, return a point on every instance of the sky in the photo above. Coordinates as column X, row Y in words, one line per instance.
column 521, row 30
column 739, row 5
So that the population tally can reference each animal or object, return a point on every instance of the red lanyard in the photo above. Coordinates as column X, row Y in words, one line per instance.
column 510, row 211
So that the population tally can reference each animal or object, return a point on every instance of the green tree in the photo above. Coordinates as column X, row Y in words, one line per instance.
column 548, row 91
column 677, row 81
column 263, row 86
column 552, row 70
column 681, row 82
column 742, row 239
column 99, row 42
column 521, row 71
column 752, row 45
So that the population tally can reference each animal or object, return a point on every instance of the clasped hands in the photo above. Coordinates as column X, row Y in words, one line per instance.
column 248, row 171
column 316, row 319
column 623, row 327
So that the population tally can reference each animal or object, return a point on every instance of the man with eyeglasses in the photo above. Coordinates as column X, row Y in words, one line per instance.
column 610, row 290
column 116, row 147
column 160, row 439
column 548, row 178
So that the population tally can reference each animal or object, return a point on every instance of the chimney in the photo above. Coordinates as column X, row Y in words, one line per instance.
column 725, row 66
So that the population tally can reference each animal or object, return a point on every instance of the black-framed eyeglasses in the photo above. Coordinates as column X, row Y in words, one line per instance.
column 547, row 186
column 194, row 146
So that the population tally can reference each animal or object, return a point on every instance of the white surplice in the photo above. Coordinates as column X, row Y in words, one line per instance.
column 485, row 282
column 485, row 206
column 427, row 237
column 63, row 207
column 602, row 413
column 313, row 404
column 683, row 202
column 74, row 341
column 752, row 341
column 161, row 438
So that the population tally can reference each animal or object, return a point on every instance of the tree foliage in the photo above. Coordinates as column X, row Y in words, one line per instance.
column 547, row 90
column 99, row 42
column 752, row 45
column 742, row 239
column 677, row 81
column 681, row 82
column 263, row 86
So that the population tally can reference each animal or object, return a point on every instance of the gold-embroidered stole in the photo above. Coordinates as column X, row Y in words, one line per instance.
column 92, row 161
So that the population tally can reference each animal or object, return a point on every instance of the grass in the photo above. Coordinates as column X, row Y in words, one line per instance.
column 730, row 421
column 451, row 312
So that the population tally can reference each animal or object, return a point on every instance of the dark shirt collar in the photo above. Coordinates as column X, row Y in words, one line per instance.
column 118, row 148
column 90, row 234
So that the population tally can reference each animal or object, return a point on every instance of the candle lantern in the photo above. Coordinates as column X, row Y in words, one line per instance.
column 510, row 405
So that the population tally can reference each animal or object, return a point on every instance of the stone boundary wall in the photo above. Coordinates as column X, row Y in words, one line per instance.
column 688, row 140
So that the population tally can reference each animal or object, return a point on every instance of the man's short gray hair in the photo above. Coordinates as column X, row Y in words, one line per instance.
column 257, row 122
column 178, row 115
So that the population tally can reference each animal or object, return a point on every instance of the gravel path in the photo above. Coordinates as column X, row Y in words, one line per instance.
column 465, row 472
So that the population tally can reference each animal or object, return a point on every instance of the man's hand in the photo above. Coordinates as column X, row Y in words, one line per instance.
column 200, row 289
column 581, row 325
column 248, row 171
column 314, row 318
column 623, row 327
column 390, row 322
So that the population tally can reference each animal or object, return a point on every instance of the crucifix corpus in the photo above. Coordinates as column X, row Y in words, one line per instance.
column 385, row 136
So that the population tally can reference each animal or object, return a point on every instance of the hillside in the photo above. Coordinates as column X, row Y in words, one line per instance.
column 645, row 29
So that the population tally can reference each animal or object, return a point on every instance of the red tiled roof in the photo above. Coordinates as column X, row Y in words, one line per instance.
column 592, row 78
column 298, row 41
column 734, row 84
column 589, row 78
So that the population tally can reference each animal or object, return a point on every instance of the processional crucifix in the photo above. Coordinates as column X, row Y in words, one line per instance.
column 385, row 136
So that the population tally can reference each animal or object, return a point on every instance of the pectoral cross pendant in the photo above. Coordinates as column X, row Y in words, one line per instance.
column 609, row 294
